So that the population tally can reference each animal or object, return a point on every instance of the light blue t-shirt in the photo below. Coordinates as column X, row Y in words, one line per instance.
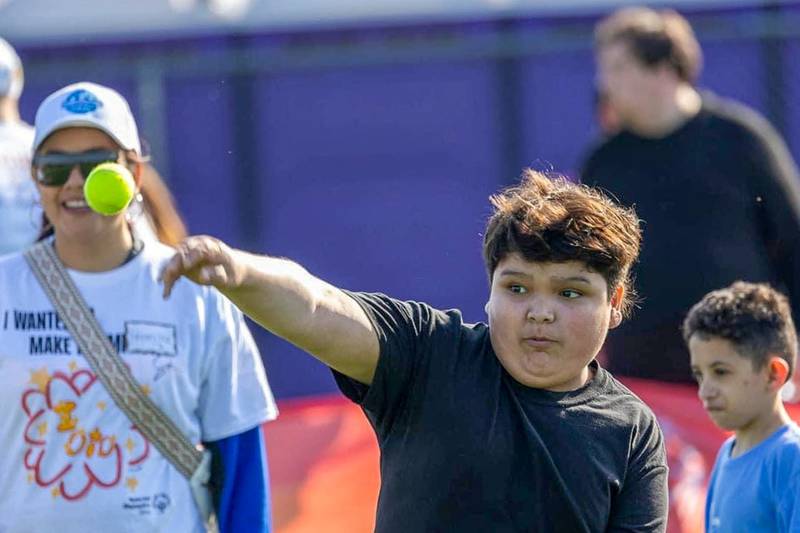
column 759, row 491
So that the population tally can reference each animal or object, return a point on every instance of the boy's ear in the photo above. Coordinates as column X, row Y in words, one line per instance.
column 778, row 371
column 616, row 307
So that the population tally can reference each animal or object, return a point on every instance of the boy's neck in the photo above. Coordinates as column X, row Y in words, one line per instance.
column 760, row 429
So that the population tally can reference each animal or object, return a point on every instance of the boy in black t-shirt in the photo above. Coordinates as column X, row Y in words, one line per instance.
column 505, row 427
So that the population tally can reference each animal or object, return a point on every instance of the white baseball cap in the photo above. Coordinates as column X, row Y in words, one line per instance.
column 89, row 105
column 10, row 65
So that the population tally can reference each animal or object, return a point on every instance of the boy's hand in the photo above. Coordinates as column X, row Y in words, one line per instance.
column 204, row 260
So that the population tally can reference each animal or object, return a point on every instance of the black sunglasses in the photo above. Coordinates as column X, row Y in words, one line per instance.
column 53, row 169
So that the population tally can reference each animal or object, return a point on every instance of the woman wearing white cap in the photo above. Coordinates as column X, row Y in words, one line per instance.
column 73, row 459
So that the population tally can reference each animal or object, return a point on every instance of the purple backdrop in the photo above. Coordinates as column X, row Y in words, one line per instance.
column 372, row 168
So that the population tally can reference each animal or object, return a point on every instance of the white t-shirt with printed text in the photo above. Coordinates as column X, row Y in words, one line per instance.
column 71, row 461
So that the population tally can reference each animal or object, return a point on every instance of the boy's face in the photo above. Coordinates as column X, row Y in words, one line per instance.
column 733, row 392
column 548, row 320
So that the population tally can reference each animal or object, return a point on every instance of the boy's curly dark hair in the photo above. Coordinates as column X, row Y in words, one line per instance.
column 754, row 317
column 552, row 219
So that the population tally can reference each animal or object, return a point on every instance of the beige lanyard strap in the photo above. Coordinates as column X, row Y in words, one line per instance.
column 106, row 362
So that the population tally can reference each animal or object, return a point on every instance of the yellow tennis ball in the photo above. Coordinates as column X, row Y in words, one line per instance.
column 109, row 188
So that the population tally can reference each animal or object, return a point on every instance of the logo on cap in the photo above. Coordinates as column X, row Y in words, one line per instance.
column 81, row 102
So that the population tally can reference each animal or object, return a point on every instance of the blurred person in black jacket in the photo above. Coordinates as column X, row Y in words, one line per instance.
column 712, row 180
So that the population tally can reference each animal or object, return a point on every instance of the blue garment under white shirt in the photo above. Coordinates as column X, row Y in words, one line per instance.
column 243, row 501
column 759, row 491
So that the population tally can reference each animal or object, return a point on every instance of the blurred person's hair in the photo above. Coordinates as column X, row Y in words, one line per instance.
column 754, row 317
column 654, row 38
column 550, row 219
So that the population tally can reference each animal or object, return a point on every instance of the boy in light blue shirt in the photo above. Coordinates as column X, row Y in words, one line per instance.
column 743, row 349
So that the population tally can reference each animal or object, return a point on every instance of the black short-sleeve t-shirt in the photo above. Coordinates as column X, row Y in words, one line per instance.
column 466, row 448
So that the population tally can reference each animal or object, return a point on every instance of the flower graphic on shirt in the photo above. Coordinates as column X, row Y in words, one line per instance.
column 63, row 453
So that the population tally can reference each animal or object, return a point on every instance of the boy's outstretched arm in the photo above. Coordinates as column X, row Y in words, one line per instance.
column 285, row 299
